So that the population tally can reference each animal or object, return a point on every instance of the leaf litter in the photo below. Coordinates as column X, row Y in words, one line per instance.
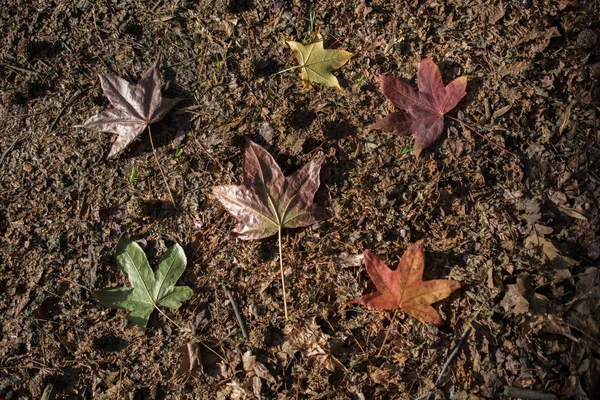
column 374, row 193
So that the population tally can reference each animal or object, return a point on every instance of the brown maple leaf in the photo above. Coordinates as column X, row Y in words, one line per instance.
column 405, row 287
column 267, row 201
column 135, row 107
column 423, row 110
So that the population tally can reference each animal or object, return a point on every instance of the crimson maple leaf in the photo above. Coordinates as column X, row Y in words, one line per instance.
column 135, row 107
column 267, row 201
column 423, row 110
column 405, row 287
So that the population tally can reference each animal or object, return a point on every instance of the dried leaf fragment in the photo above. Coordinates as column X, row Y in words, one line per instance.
column 135, row 107
column 191, row 362
column 422, row 112
column 404, row 287
column 317, row 63
column 268, row 201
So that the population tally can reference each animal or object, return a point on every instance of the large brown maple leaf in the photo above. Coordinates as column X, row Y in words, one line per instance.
column 423, row 110
column 405, row 287
column 267, row 201
column 135, row 107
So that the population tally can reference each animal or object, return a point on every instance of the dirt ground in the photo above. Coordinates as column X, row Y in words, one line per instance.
column 520, row 231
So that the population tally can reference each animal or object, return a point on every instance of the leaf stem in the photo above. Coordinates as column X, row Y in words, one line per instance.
column 469, row 127
column 286, row 70
column 387, row 332
column 160, row 169
column 196, row 338
column 282, row 277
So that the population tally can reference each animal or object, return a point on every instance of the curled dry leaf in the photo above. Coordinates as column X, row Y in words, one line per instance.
column 267, row 201
column 405, row 287
column 191, row 363
column 317, row 63
column 422, row 112
column 135, row 107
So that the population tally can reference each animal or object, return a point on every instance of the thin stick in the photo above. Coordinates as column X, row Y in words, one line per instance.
column 453, row 354
column 282, row 277
column 387, row 332
column 512, row 391
column 160, row 168
column 237, row 313
column 196, row 338
column 62, row 110
column 469, row 127
column 8, row 150
column 20, row 69
column 427, row 395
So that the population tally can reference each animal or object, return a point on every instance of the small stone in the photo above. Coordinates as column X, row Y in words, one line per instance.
column 587, row 39
column 247, row 68
column 267, row 132
column 135, row 208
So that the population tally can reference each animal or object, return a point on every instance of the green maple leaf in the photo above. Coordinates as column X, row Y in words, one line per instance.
column 150, row 289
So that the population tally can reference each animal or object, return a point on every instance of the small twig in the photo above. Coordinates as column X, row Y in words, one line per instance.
column 62, row 110
column 160, row 168
column 8, row 150
column 72, row 282
column 196, row 338
column 208, row 154
column 237, row 313
column 427, row 395
column 96, row 26
column 522, row 393
column 20, row 69
column 469, row 127
column 453, row 354
column 387, row 332
column 156, row 5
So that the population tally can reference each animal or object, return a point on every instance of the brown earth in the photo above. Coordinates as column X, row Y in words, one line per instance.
column 520, row 232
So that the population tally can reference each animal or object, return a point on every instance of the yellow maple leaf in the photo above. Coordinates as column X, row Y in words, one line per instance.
column 317, row 63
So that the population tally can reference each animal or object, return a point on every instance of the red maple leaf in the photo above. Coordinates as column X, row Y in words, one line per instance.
column 404, row 287
column 422, row 111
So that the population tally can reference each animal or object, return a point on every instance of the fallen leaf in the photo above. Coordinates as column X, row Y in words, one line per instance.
column 515, row 300
column 317, row 63
column 550, row 254
column 135, row 107
column 191, row 362
column 150, row 289
column 422, row 112
column 587, row 292
column 268, row 201
column 404, row 287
